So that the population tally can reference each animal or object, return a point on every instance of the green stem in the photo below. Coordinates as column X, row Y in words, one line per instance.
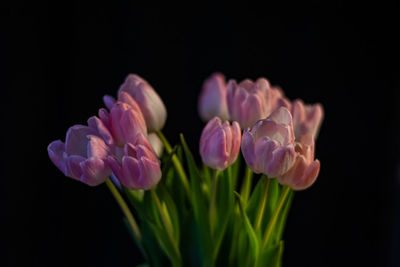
column 274, row 218
column 125, row 209
column 212, row 201
column 246, row 186
column 262, row 206
column 177, row 164
column 168, row 228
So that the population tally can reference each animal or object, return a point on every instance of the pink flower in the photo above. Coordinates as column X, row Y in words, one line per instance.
column 125, row 122
column 83, row 156
column 220, row 143
column 307, row 119
column 149, row 101
column 212, row 100
column 249, row 101
column 305, row 169
column 137, row 166
column 269, row 146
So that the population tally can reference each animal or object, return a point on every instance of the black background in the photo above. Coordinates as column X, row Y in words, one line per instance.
column 62, row 57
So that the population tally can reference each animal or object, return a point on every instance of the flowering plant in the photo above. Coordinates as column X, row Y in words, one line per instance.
column 229, row 210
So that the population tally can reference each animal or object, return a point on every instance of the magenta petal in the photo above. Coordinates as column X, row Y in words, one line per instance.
column 94, row 171
column 74, row 167
column 109, row 101
column 150, row 174
column 101, row 128
column 130, row 172
column 56, row 151
column 96, row 147
column 113, row 163
column 131, row 125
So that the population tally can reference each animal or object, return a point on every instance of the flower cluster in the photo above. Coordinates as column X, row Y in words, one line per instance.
column 279, row 135
column 118, row 141
column 227, row 219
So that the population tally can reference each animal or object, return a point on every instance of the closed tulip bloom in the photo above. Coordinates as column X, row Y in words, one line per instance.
column 220, row 143
column 138, row 166
column 305, row 170
column 249, row 101
column 149, row 101
column 269, row 146
column 307, row 119
column 83, row 155
column 212, row 100
column 125, row 123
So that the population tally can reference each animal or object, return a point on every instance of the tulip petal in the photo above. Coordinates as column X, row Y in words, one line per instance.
column 130, row 172
column 101, row 128
column 74, row 167
column 94, row 171
column 56, row 151
column 76, row 140
column 150, row 174
column 109, row 101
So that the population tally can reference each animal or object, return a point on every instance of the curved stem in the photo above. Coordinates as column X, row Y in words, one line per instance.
column 274, row 218
column 177, row 164
column 262, row 207
column 246, row 186
column 125, row 209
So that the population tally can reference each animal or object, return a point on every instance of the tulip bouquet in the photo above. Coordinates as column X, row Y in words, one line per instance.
column 232, row 209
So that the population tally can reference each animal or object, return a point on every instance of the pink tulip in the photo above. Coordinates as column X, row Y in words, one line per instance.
column 249, row 101
column 269, row 146
column 137, row 166
column 212, row 100
column 305, row 169
column 125, row 122
column 220, row 143
column 149, row 101
column 83, row 155
column 307, row 119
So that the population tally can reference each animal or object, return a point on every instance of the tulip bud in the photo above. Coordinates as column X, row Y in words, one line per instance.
column 212, row 100
column 83, row 155
column 269, row 146
column 220, row 143
column 138, row 167
column 125, row 123
column 149, row 101
column 305, row 170
column 249, row 101
column 307, row 119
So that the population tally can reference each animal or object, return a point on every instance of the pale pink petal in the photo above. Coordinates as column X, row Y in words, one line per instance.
column 74, row 167
column 101, row 128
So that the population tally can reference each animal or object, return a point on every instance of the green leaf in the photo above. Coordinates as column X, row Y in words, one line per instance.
column 256, row 198
column 163, row 240
column 252, row 237
column 198, row 202
column 170, row 209
column 224, row 207
column 272, row 255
